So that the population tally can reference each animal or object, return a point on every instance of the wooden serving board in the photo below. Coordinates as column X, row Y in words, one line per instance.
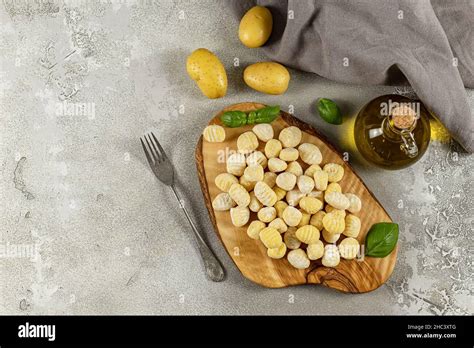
column 250, row 255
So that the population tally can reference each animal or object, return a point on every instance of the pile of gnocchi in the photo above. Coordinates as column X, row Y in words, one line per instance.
column 299, row 204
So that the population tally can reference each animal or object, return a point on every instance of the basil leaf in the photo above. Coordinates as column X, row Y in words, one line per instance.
column 267, row 114
column 329, row 111
column 234, row 119
column 381, row 239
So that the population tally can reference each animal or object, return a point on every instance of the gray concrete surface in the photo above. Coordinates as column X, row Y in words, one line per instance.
column 76, row 189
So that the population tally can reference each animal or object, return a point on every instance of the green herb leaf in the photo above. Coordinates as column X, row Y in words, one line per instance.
column 267, row 114
column 234, row 119
column 329, row 111
column 381, row 239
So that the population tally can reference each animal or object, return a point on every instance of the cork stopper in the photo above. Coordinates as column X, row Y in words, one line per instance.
column 403, row 116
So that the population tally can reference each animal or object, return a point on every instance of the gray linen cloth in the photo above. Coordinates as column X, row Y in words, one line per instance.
column 430, row 44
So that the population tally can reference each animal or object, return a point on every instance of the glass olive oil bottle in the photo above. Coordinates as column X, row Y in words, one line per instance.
column 392, row 131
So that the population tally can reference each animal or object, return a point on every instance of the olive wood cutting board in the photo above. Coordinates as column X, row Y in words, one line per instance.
column 250, row 255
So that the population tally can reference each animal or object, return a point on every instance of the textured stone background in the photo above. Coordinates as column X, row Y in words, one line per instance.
column 110, row 239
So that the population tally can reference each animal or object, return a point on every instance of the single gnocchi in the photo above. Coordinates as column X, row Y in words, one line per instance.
column 307, row 234
column 280, row 206
column 290, row 136
column 224, row 181
column 305, row 184
column 253, row 231
column 290, row 239
column 247, row 142
column 257, row 157
column 305, row 217
column 352, row 226
column 276, row 165
column 279, row 225
column 236, row 164
column 320, row 180
column 349, row 248
column 294, row 197
column 280, row 193
column 286, row 181
column 247, row 184
column 294, row 168
column 329, row 237
column 214, row 134
column 270, row 237
column 310, row 153
column 240, row 195
column 311, row 170
column 239, row 216
column 317, row 220
column 311, row 205
column 254, row 204
column 278, row 252
column 335, row 172
column 272, row 148
column 223, row 202
column 355, row 204
column 263, row 131
column 291, row 216
column 269, row 178
column 254, row 172
column 331, row 256
column 337, row 200
column 315, row 250
column 265, row 194
column 266, row 214
column 334, row 223
column 298, row 259
column 289, row 154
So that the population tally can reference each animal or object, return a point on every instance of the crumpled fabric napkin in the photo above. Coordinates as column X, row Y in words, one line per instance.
column 430, row 44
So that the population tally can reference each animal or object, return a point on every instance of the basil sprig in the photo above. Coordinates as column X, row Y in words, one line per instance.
column 381, row 239
column 329, row 111
column 235, row 119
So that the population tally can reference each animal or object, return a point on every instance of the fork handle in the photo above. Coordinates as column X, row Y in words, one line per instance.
column 214, row 270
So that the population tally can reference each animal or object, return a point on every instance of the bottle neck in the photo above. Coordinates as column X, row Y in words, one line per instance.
column 403, row 136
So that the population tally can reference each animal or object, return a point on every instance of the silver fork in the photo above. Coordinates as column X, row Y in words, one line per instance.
column 163, row 170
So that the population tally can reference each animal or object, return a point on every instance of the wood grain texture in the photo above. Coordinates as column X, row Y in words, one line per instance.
column 250, row 255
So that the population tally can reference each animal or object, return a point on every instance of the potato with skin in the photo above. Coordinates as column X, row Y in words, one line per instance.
column 256, row 27
column 267, row 77
column 206, row 69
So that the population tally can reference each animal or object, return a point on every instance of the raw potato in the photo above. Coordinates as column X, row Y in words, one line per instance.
column 290, row 239
column 355, row 203
column 315, row 251
column 310, row 153
column 329, row 237
column 267, row 214
column 265, row 194
column 253, row 231
column 290, row 136
column 272, row 148
column 263, row 131
column 289, row 154
column 331, row 256
column 257, row 157
column 349, row 248
column 279, row 224
column 239, row 216
column 223, row 202
column 335, row 172
column 294, row 168
column 305, row 184
column 254, row 172
column 256, row 27
column 298, row 259
column 286, row 181
column 267, row 77
column 277, row 253
column 308, row 234
column 224, row 181
column 352, row 226
column 247, row 142
column 236, row 164
column 214, row 134
column 240, row 195
column 292, row 216
column 206, row 69
column 311, row 205
column 270, row 237
column 337, row 200
column 276, row 165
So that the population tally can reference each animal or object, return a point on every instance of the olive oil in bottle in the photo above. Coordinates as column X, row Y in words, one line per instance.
column 392, row 131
